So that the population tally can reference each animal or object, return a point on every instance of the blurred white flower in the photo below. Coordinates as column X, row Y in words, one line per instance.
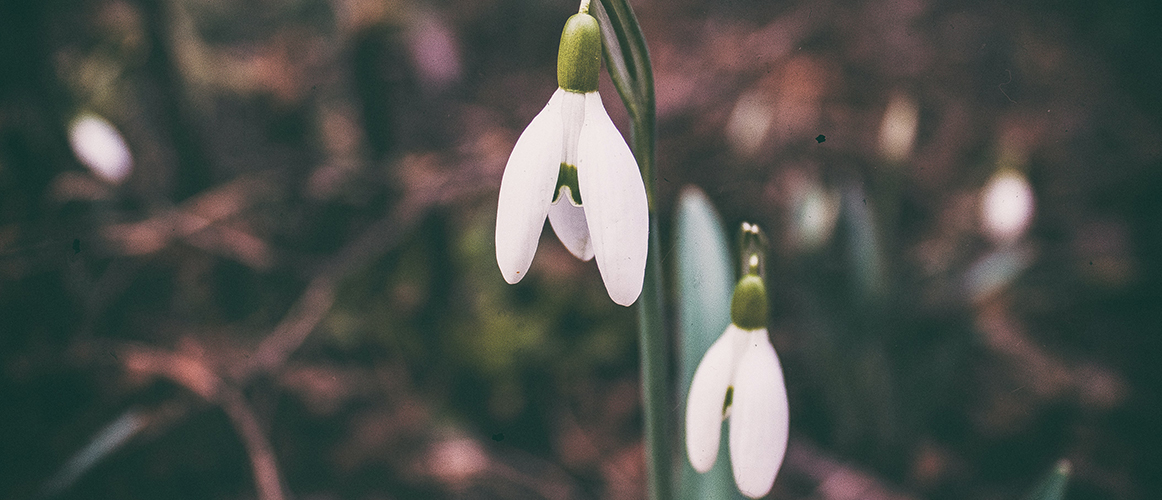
column 898, row 130
column 749, row 123
column 739, row 378
column 99, row 145
column 435, row 51
column 1007, row 206
column 813, row 214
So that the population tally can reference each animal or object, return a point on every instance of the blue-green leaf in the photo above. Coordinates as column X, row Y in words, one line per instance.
column 1053, row 486
column 704, row 280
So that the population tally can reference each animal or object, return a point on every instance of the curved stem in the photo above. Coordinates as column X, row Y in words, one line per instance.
column 636, row 87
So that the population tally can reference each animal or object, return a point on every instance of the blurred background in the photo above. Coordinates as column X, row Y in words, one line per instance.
column 246, row 247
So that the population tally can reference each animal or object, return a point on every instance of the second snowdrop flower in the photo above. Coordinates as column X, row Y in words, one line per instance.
column 572, row 166
column 740, row 378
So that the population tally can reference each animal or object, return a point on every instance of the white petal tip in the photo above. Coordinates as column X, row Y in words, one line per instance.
column 756, row 491
column 624, row 300
column 759, row 418
column 623, row 280
column 702, row 448
column 569, row 224
column 756, row 479
column 703, row 465
column 513, row 261
column 512, row 279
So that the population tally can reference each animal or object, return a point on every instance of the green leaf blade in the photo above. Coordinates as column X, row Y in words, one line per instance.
column 1052, row 487
column 704, row 281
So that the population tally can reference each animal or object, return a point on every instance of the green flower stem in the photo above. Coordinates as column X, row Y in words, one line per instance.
column 628, row 62
column 655, row 369
column 636, row 85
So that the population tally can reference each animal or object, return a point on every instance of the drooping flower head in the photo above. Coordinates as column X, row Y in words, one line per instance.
column 572, row 166
column 740, row 378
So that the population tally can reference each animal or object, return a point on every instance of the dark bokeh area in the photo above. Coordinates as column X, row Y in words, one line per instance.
column 287, row 287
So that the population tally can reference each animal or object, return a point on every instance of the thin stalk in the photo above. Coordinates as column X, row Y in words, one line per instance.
column 635, row 85
column 655, row 370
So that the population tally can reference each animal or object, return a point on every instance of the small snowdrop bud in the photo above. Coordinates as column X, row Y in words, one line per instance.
column 99, row 146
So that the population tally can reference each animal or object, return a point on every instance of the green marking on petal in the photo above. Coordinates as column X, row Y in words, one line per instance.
column 748, row 307
column 726, row 402
column 579, row 58
column 567, row 183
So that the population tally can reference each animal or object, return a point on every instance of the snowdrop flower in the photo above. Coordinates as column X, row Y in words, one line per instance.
column 740, row 378
column 572, row 166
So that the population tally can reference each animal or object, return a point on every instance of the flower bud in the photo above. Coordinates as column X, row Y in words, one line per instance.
column 579, row 59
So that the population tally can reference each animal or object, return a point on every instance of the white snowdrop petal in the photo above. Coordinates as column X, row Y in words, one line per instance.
column 614, row 198
column 99, row 145
column 569, row 223
column 573, row 116
column 759, row 420
column 705, row 400
column 526, row 190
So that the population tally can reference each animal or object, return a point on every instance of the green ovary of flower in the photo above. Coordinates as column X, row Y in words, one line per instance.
column 579, row 58
column 748, row 306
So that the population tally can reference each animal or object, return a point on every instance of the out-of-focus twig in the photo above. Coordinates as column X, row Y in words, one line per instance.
column 290, row 333
column 835, row 480
column 194, row 375
column 319, row 295
column 267, row 479
column 426, row 190
column 130, row 424
column 198, row 223
column 555, row 486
